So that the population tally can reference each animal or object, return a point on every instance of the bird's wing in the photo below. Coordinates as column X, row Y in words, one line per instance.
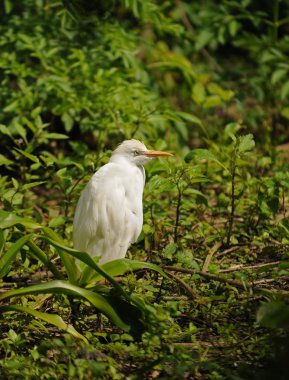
column 108, row 217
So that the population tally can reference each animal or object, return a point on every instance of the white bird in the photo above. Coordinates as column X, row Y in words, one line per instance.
column 109, row 213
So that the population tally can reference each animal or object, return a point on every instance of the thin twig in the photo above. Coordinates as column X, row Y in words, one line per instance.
column 243, row 267
column 232, row 213
column 213, row 250
column 177, row 214
column 238, row 284
column 183, row 285
column 229, row 250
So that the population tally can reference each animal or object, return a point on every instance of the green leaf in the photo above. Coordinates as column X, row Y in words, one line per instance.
column 9, row 256
column 84, row 257
column 28, row 155
column 234, row 26
column 5, row 131
column 2, row 239
column 199, row 93
column 67, row 121
column 5, row 161
column 68, row 262
column 64, row 287
column 285, row 112
column 56, row 136
column 8, row 219
column 169, row 250
column 285, row 90
column 32, row 184
column 53, row 319
column 278, row 75
column 203, row 154
column 193, row 119
column 246, row 143
column 118, row 268
column 203, row 39
column 212, row 101
column 41, row 256
column 189, row 117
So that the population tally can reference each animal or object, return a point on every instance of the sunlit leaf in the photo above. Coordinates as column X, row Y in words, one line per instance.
column 56, row 136
column 30, row 156
column 4, row 160
column 62, row 287
column 53, row 319
column 9, row 219
column 246, row 143
column 117, row 268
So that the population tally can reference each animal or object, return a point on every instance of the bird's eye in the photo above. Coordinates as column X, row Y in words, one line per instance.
column 135, row 153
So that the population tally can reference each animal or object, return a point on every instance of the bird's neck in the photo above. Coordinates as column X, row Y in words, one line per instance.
column 125, row 163
column 122, row 160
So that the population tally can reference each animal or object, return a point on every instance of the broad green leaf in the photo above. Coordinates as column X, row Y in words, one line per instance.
column 68, row 262
column 246, row 143
column 117, row 268
column 84, row 257
column 8, row 257
column 53, row 319
column 203, row 154
column 9, row 219
column 41, row 256
column 64, row 287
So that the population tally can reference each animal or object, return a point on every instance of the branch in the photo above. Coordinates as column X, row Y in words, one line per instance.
column 243, row 267
column 238, row 284
column 183, row 285
column 213, row 250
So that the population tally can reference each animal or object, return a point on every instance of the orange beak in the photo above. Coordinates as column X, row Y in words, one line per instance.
column 156, row 153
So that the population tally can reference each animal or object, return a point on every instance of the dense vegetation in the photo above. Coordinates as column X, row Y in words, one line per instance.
column 204, row 291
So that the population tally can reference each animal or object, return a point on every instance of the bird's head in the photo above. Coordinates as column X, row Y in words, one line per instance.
column 137, row 153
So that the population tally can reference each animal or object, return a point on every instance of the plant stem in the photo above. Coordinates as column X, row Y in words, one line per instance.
column 233, row 205
column 179, row 200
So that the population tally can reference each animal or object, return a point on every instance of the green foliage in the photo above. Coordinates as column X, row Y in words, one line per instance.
column 209, row 271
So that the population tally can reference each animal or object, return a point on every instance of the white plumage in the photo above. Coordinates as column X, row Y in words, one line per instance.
column 109, row 213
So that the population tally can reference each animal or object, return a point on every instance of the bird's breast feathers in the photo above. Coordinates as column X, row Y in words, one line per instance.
column 110, row 207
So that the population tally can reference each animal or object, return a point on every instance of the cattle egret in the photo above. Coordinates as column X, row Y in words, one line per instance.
column 109, row 213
